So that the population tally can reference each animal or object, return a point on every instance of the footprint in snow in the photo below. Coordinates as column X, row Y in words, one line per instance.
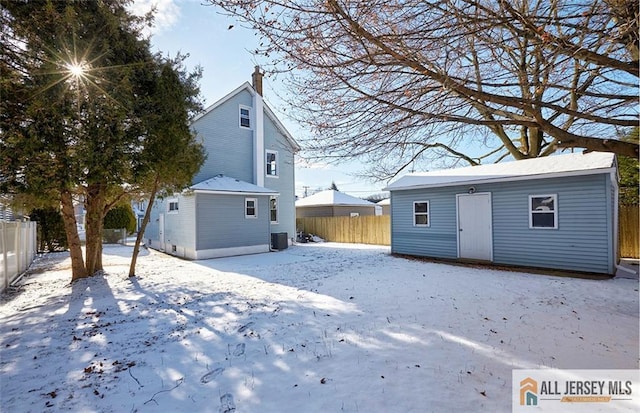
column 211, row 375
column 239, row 350
column 245, row 327
column 227, row 405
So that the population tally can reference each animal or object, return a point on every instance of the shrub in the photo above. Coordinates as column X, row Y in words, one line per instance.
column 51, row 234
column 121, row 216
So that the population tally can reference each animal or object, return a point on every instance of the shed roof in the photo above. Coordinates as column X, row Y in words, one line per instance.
column 332, row 197
column 228, row 185
column 537, row 168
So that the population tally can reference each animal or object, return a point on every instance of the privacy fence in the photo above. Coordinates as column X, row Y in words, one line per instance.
column 357, row 230
column 18, row 247
column 377, row 230
column 630, row 231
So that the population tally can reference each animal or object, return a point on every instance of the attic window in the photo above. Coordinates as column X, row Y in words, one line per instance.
column 543, row 211
column 272, row 163
column 245, row 117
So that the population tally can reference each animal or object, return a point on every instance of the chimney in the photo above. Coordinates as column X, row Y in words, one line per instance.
column 257, row 80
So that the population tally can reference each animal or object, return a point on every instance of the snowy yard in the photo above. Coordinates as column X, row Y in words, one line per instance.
column 314, row 328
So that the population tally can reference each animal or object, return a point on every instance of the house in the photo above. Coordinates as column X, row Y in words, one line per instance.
column 385, row 204
column 243, row 193
column 556, row 212
column 332, row 203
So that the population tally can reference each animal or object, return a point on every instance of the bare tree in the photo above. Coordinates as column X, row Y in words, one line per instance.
column 394, row 81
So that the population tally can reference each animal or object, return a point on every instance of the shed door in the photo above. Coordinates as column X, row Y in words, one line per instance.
column 474, row 226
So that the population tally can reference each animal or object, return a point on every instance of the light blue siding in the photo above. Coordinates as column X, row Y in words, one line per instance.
column 222, row 223
column 582, row 241
column 437, row 240
column 179, row 228
column 229, row 147
column 274, row 140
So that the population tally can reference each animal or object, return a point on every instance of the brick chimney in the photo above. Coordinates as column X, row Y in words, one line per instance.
column 257, row 80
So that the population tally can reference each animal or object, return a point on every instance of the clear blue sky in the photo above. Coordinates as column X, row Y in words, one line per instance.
column 187, row 26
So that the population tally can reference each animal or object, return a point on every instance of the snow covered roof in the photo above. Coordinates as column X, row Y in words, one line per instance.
column 332, row 197
column 386, row 201
column 536, row 168
column 228, row 185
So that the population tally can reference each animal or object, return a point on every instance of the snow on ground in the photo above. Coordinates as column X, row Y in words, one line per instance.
column 314, row 328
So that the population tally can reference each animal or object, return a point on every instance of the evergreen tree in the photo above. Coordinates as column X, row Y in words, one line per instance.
column 75, row 116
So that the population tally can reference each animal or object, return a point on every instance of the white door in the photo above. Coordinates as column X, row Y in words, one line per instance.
column 475, row 240
column 161, row 231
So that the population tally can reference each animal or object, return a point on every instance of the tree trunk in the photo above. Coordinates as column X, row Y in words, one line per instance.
column 78, row 269
column 145, row 221
column 95, row 214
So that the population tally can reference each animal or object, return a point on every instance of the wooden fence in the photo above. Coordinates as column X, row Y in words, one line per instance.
column 377, row 230
column 629, row 234
column 356, row 230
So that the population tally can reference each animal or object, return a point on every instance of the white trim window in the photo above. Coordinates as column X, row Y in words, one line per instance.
column 273, row 209
column 272, row 163
column 251, row 208
column 421, row 212
column 245, row 117
column 543, row 211
column 172, row 206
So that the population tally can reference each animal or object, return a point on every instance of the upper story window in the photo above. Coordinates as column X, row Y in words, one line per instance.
column 543, row 211
column 245, row 117
column 172, row 206
column 421, row 214
column 250, row 208
column 272, row 163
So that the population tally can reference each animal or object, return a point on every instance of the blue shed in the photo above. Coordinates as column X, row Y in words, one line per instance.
column 556, row 212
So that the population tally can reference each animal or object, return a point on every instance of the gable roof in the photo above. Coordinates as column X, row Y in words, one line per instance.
column 537, row 168
column 267, row 110
column 331, row 197
column 221, row 184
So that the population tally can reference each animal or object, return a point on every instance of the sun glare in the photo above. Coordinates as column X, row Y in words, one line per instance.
column 75, row 69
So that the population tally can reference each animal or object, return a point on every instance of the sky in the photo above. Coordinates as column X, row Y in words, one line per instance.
column 189, row 27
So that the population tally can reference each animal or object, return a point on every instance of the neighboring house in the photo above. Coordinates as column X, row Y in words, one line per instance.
column 557, row 212
column 385, row 204
column 139, row 209
column 244, row 192
column 332, row 203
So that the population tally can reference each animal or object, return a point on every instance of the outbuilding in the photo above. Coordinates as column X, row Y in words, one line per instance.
column 332, row 203
column 555, row 212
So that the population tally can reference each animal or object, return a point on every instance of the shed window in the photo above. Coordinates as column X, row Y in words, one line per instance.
column 543, row 211
column 421, row 214
column 272, row 163
column 250, row 208
column 245, row 117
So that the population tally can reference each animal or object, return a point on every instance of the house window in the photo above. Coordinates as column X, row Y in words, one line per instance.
column 421, row 214
column 272, row 163
column 245, row 117
column 172, row 206
column 250, row 208
column 273, row 209
column 543, row 211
